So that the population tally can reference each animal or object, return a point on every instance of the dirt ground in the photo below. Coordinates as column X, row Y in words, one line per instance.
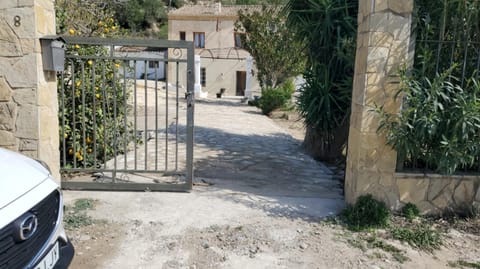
column 257, row 244
column 222, row 232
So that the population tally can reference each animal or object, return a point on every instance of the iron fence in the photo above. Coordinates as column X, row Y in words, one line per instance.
column 447, row 35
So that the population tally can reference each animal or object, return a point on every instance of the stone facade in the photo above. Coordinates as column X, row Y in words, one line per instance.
column 28, row 96
column 384, row 45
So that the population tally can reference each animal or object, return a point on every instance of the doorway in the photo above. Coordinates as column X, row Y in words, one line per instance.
column 241, row 83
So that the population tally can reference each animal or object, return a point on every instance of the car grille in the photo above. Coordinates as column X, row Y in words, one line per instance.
column 18, row 254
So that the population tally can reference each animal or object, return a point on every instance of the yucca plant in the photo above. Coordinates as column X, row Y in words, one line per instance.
column 329, row 30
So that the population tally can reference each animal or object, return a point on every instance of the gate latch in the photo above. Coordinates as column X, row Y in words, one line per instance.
column 189, row 98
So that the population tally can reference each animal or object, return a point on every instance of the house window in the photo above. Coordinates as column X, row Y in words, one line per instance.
column 182, row 35
column 203, row 76
column 199, row 40
column 152, row 64
column 238, row 39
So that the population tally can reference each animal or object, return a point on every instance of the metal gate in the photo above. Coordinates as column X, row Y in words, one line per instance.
column 126, row 114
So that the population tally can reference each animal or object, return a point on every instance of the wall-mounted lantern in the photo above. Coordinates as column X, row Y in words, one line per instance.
column 53, row 53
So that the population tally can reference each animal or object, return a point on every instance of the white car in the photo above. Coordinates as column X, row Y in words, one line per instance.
column 31, row 212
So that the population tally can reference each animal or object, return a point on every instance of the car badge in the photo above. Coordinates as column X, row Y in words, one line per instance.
column 25, row 227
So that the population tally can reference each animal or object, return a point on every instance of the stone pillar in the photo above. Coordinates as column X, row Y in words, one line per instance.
column 384, row 44
column 28, row 95
column 248, row 82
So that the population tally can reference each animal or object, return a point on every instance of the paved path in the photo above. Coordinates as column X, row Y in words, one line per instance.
column 235, row 143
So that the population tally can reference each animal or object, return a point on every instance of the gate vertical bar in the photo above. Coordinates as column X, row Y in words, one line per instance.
column 176, row 116
column 62, row 107
column 74, row 121
column 135, row 114
column 94, row 114
column 84, row 143
column 104, row 108
column 166, row 122
column 190, row 112
column 115, row 123
column 125, row 114
column 156, row 119
column 145, row 90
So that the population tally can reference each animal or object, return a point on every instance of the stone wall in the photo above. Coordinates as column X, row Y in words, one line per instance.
column 436, row 194
column 28, row 96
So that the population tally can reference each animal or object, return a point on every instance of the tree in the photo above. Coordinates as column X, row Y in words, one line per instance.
column 328, row 27
column 89, row 85
column 88, row 17
column 277, row 51
column 139, row 15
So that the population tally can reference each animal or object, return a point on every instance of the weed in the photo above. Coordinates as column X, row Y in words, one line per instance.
column 410, row 211
column 372, row 242
column 75, row 216
column 366, row 213
column 419, row 236
column 475, row 265
column 357, row 243
column 463, row 264
column 76, row 220
column 83, row 204
column 398, row 256
column 377, row 255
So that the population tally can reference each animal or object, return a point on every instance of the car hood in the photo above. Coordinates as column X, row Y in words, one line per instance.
column 18, row 175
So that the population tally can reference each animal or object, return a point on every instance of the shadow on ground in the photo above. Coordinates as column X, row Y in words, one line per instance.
column 266, row 172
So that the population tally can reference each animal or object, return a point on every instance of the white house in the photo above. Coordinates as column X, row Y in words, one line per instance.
column 225, row 66
column 147, row 65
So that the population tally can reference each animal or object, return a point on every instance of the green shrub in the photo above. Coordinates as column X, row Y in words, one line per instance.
column 275, row 98
column 438, row 127
column 410, row 211
column 366, row 213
